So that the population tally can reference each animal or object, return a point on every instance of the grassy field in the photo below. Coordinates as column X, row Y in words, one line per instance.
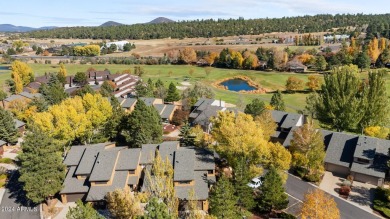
column 178, row 73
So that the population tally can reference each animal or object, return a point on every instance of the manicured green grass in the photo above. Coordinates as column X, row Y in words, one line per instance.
column 180, row 73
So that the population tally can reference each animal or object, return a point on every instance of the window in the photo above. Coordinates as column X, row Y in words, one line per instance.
column 210, row 171
column 185, row 182
column 361, row 160
column 100, row 183
column 131, row 171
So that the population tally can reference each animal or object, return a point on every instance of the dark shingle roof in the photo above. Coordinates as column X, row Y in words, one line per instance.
column 159, row 108
column 167, row 150
column 203, row 118
column 290, row 136
column 74, row 185
column 97, row 193
column 104, row 166
column 377, row 169
column 148, row 100
column 147, row 153
column 341, row 149
column 365, row 147
column 184, row 165
column 30, row 95
column 291, row 120
column 19, row 123
column 168, row 110
column 128, row 103
column 128, row 159
column 74, row 155
column 13, row 97
column 201, row 187
column 204, row 159
column 88, row 160
column 132, row 180
column 2, row 142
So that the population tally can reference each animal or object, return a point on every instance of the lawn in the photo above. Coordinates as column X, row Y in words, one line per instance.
column 179, row 73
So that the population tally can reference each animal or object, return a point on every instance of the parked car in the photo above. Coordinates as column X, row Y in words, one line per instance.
column 256, row 182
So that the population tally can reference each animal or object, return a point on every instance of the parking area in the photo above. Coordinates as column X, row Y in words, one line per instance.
column 361, row 195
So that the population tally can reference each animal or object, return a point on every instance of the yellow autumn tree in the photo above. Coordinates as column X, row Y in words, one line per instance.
column 382, row 44
column 187, row 55
column 17, row 82
column 266, row 123
column 210, row 58
column 123, row 204
column 280, row 157
column 74, row 118
column 377, row 132
column 239, row 136
column 24, row 71
column 159, row 183
column 319, row 205
column 236, row 58
column 314, row 82
column 306, row 58
column 373, row 50
column 62, row 72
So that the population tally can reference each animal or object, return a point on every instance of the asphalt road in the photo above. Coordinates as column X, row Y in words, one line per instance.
column 14, row 205
column 297, row 189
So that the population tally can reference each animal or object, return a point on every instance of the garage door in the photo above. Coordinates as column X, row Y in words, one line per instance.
column 337, row 170
column 75, row 197
column 366, row 178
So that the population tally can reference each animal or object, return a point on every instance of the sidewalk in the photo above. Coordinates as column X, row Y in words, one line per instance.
column 65, row 209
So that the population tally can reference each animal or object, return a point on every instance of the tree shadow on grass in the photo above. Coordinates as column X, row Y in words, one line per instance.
column 16, row 190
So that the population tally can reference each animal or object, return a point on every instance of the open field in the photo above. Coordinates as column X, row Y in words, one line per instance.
column 178, row 74
column 159, row 47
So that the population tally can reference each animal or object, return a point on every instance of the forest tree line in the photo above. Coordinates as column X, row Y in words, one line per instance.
column 375, row 24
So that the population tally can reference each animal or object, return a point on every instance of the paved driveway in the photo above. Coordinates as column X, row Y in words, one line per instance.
column 297, row 188
column 14, row 204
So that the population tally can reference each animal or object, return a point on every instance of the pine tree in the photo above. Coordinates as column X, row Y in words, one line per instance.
column 53, row 92
column 243, row 192
column 255, row 108
column 222, row 199
column 156, row 209
column 277, row 101
column 363, row 60
column 185, row 133
column 273, row 196
column 143, row 125
column 83, row 211
column 173, row 93
column 8, row 132
column 41, row 169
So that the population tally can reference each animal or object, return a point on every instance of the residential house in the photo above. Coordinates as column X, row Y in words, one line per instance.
column 95, row 170
column 23, row 97
column 194, row 170
column 20, row 126
column 203, row 110
column 286, row 122
column 295, row 66
column 363, row 157
column 166, row 111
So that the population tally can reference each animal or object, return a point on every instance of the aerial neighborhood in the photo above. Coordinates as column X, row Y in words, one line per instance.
column 230, row 118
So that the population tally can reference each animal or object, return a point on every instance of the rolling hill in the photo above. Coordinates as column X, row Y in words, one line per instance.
column 110, row 24
column 160, row 20
column 13, row 28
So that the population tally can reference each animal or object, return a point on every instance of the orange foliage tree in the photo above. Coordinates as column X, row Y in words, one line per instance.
column 317, row 204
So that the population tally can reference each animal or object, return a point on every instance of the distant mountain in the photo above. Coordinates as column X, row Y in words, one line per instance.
column 13, row 28
column 111, row 23
column 160, row 20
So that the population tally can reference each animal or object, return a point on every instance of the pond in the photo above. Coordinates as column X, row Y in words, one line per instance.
column 237, row 85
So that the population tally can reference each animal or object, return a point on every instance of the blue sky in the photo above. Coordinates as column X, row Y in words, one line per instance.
column 37, row 13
